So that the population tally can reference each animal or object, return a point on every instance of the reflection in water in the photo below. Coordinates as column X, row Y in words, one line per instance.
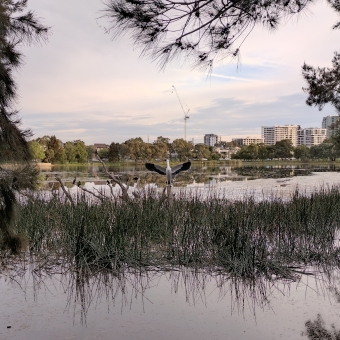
column 318, row 330
column 173, row 302
column 197, row 174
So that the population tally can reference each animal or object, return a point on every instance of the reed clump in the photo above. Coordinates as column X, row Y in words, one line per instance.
column 246, row 239
column 317, row 330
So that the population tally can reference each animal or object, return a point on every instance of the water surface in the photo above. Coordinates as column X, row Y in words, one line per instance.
column 158, row 305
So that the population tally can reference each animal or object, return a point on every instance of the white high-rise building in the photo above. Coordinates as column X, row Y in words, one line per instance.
column 273, row 134
column 210, row 139
column 311, row 136
column 327, row 123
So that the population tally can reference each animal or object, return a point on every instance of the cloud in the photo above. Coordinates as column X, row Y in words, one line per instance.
column 228, row 117
column 83, row 85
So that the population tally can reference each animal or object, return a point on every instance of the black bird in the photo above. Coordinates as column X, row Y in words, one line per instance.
column 74, row 181
column 168, row 172
column 79, row 184
column 135, row 178
column 108, row 182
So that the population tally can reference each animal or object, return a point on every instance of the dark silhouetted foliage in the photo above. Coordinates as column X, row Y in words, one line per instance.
column 323, row 84
column 203, row 31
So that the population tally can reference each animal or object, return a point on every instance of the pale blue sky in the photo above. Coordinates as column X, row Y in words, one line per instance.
column 84, row 85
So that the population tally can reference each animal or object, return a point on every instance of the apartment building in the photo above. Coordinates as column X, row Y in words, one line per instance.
column 328, row 122
column 273, row 134
column 248, row 141
column 311, row 136
column 210, row 139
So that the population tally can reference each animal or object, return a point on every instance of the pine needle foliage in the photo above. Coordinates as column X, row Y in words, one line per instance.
column 203, row 31
column 323, row 84
column 17, row 27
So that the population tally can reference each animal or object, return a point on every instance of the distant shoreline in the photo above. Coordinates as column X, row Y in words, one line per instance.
column 205, row 162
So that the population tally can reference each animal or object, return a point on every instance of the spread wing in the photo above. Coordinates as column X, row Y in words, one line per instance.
column 180, row 167
column 156, row 168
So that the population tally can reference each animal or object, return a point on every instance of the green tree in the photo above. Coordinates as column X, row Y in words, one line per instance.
column 43, row 141
column 182, row 148
column 270, row 151
column 81, row 152
column 161, row 147
column 148, row 151
column 244, row 153
column 325, row 150
column 113, row 154
column 55, row 150
column 302, row 152
column 70, row 152
column 284, row 149
column 262, row 151
column 215, row 156
column 103, row 153
column 201, row 151
column 136, row 148
column 253, row 151
column 90, row 151
column 37, row 150
column 75, row 152
column 123, row 151
column 162, row 139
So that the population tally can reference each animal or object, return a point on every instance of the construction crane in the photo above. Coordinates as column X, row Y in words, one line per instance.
column 186, row 117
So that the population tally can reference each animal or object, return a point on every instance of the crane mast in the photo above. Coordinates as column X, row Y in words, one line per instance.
column 186, row 117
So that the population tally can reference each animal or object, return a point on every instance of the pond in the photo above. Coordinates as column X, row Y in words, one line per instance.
column 197, row 174
column 233, row 181
column 161, row 305
column 48, row 300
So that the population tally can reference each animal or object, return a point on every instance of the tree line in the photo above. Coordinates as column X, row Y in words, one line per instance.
column 329, row 149
column 50, row 149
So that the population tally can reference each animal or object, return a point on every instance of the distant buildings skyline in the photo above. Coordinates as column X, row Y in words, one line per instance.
column 248, row 141
column 299, row 136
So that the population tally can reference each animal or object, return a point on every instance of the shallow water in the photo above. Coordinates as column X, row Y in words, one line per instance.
column 197, row 174
column 171, row 305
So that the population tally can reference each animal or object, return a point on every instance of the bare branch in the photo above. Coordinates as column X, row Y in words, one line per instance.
column 67, row 194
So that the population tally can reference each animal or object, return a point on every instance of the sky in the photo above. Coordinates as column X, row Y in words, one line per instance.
column 82, row 84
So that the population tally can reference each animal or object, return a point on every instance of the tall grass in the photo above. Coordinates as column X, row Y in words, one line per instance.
column 243, row 239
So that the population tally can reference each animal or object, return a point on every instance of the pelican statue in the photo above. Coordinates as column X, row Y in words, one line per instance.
column 170, row 173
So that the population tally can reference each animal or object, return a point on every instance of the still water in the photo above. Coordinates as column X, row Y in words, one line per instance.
column 198, row 174
column 48, row 303
column 158, row 305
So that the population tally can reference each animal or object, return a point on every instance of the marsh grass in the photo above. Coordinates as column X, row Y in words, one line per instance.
column 243, row 239
column 317, row 330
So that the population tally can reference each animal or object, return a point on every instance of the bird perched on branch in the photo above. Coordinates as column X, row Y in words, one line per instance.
column 170, row 173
